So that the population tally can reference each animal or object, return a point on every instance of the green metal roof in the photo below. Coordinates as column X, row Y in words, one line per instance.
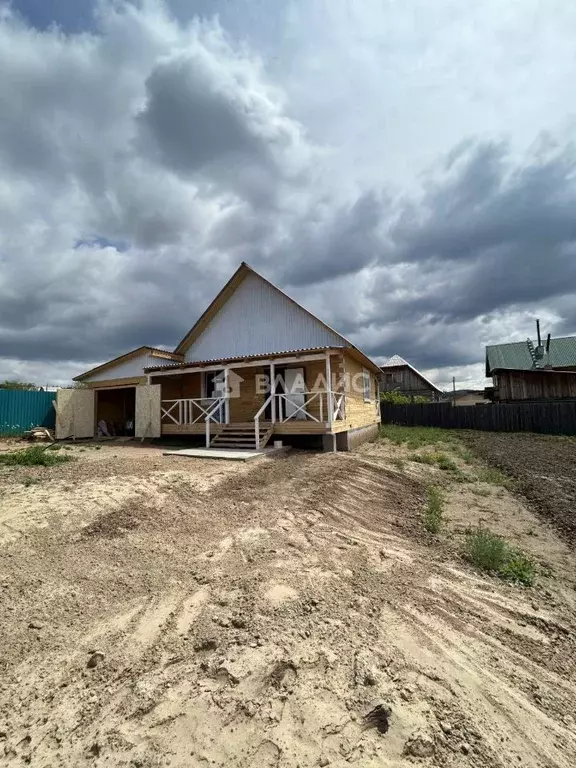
column 517, row 355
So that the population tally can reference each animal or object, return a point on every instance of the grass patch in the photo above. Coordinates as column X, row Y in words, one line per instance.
column 490, row 552
column 435, row 458
column 480, row 491
column 494, row 477
column 35, row 456
column 415, row 437
column 433, row 514
column 28, row 481
column 397, row 462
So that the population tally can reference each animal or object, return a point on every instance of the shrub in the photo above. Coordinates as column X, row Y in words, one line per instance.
column 398, row 462
column 35, row 456
column 490, row 552
column 433, row 514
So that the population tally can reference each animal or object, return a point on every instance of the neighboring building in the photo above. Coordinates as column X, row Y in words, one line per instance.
column 399, row 376
column 468, row 397
column 256, row 365
column 524, row 371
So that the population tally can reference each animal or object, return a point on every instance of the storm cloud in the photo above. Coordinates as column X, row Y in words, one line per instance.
column 144, row 157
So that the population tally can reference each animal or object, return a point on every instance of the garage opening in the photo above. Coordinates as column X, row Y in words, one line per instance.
column 115, row 412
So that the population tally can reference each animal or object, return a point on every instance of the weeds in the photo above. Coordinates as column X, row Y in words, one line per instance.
column 480, row 491
column 435, row 458
column 35, row 456
column 397, row 462
column 494, row 477
column 490, row 552
column 433, row 514
column 28, row 481
column 415, row 437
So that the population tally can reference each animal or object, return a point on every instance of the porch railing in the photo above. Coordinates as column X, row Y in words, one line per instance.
column 192, row 410
column 317, row 406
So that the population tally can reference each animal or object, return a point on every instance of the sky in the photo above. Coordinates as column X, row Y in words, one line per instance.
column 405, row 169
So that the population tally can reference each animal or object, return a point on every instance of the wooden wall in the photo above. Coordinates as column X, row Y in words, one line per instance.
column 403, row 379
column 359, row 413
column 516, row 386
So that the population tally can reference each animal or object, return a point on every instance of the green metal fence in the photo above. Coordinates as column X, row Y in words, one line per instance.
column 21, row 410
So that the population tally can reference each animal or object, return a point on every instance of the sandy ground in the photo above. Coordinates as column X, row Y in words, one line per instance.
column 156, row 611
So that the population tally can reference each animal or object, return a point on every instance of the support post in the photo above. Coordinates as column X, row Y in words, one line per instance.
column 329, row 389
column 207, row 432
column 273, row 392
column 227, row 396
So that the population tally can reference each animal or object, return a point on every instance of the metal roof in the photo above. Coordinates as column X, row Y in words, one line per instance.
column 516, row 355
column 397, row 361
column 240, row 358
column 393, row 361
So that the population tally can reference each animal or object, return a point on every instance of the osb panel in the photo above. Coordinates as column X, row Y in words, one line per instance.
column 83, row 400
column 64, row 413
column 147, row 422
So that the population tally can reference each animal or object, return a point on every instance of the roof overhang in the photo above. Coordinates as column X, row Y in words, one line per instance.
column 152, row 351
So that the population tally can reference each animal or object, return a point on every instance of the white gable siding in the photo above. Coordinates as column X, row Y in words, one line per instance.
column 126, row 368
column 257, row 319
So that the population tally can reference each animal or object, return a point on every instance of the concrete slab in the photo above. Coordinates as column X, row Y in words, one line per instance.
column 229, row 454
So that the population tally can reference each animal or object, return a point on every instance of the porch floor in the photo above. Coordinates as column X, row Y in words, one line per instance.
column 230, row 454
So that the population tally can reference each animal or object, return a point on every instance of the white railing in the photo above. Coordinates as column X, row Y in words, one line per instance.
column 189, row 411
column 311, row 405
column 257, row 421
column 211, row 416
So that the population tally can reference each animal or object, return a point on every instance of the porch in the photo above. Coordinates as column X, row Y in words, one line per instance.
column 245, row 405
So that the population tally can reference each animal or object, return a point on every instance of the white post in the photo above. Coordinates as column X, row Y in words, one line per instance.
column 329, row 386
column 273, row 392
column 208, row 432
column 227, row 395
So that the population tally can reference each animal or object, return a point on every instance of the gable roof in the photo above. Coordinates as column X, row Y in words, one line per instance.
column 516, row 355
column 152, row 351
column 333, row 338
column 397, row 362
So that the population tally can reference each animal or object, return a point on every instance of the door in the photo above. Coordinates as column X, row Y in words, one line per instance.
column 147, row 422
column 216, row 387
column 74, row 413
column 294, row 387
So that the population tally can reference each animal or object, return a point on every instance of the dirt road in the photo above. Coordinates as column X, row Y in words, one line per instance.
column 161, row 611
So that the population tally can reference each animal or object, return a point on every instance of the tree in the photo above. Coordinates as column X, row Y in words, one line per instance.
column 15, row 384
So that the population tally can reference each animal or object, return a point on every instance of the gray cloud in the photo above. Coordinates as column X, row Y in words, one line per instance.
column 178, row 142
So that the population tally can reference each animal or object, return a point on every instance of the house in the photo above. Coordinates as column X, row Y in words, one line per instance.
column 399, row 376
column 526, row 371
column 468, row 397
column 255, row 366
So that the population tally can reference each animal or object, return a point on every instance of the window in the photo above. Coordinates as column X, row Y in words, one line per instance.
column 366, row 385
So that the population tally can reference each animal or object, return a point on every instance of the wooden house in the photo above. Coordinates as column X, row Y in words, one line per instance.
column 255, row 366
column 526, row 371
column 398, row 375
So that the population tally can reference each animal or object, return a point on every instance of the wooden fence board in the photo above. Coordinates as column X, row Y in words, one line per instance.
column 548, row 418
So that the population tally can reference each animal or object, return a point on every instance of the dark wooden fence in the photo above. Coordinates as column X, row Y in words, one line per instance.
column 550, row 418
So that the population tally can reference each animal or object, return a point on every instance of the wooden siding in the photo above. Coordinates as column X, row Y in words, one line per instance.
column 359, row 413
column 533, row 385
column 187, row 385
column 403, row 379
column 245, row 407
column 275, row 323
